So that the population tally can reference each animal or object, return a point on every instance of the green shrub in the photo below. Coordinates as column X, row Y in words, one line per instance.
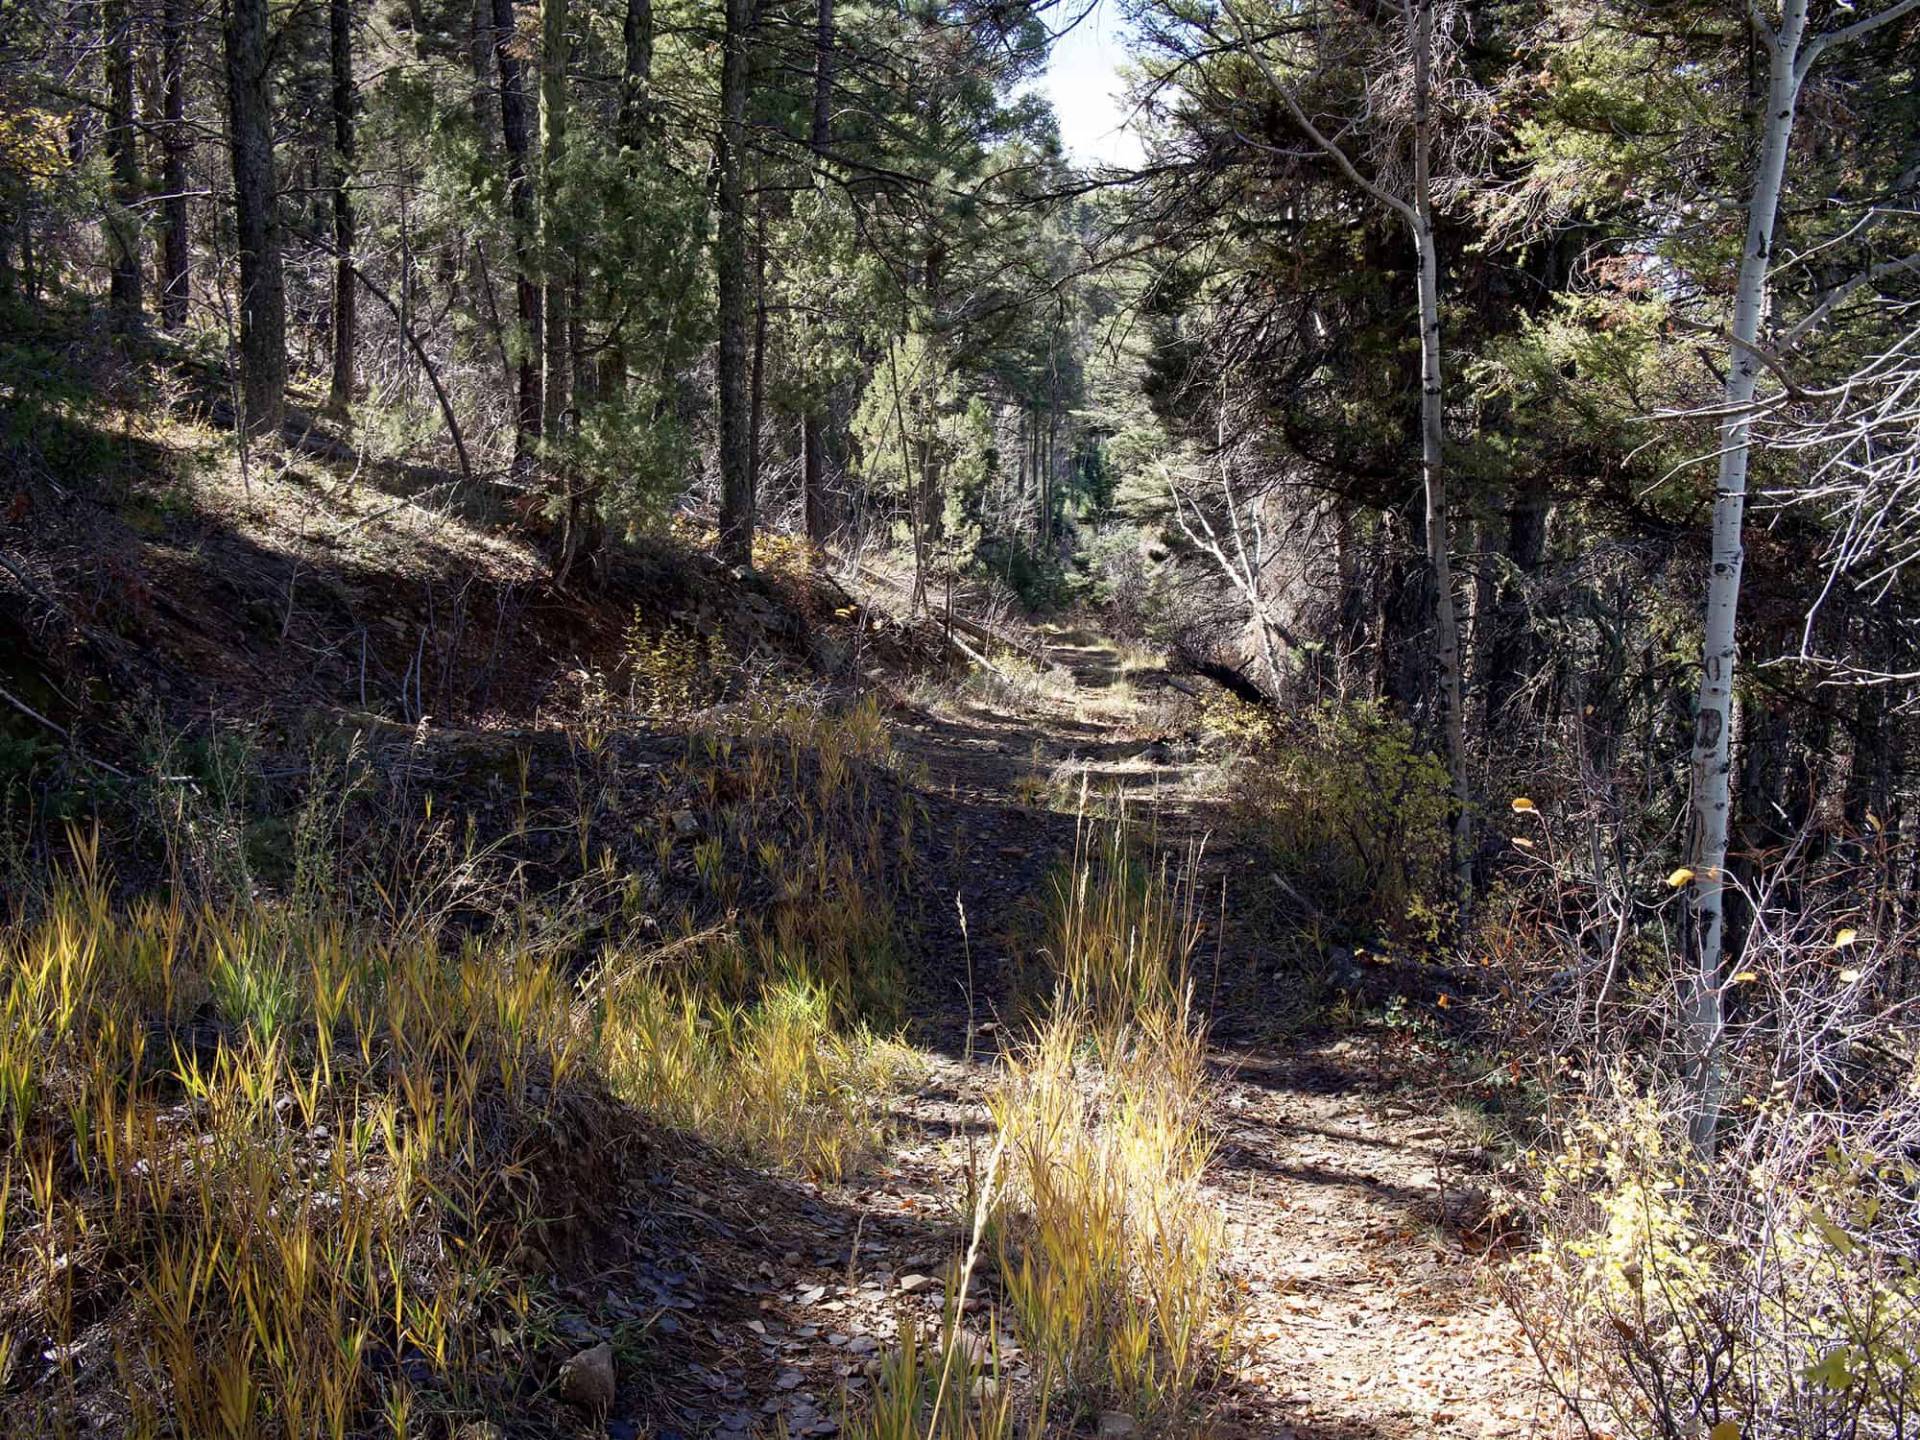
column 1350, row 812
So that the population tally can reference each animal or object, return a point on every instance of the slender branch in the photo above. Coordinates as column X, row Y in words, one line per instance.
column 1848, row 34
column 1333, row 151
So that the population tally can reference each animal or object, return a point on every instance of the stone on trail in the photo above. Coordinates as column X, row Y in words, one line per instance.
column 586, row 1380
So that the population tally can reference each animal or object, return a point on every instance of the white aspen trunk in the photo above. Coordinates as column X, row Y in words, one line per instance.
column 1446, row 623
column 1712, row 804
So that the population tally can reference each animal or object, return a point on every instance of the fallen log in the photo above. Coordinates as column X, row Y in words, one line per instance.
column 1233, row 681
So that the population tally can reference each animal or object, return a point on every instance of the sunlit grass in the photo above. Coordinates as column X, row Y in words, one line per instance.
column 773, row 1079
column 301, row 1158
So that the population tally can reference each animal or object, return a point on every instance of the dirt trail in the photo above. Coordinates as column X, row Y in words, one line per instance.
column 1368, row 1312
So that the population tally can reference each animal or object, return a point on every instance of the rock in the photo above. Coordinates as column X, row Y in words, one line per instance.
column 986, row 1389
column 831, row 656
column 685, row 823
column 586, row 1380
column 914, row 1284
column 1117, row 1425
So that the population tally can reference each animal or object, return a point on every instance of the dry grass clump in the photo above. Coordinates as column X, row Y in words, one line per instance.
column 1110, row 1252
column 773, row 1079
column 938, row 1387
column 274, row 1173
column 1107, row 1252
column 1122, row 925
column 267, row 1173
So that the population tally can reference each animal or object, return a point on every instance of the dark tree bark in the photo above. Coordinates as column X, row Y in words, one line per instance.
column 730, row 266
column 636, row 75
column 263, row 295
column 1512, row 650
column 480, row 66
column 176, row 285
column 516, row 136
column 813, row 450
column 756, row 408
column 340, row 39
column 557, row 392
column 557, row 386
column 122, row 226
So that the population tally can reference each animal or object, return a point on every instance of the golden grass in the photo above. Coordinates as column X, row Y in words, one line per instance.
column 295, row 1162
column 774, row 1079
column 1107, row 1250
column 1110, row 1251
column 1123, row 924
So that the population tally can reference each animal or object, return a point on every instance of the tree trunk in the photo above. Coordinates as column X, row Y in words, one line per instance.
column 813, row 458
column 556, row 388
column 1446, row 626
column 340, row 39
column 557, row 270
column 263, row 295
column 122, row 222
column 1510, row 649
column 756, row 404
column 1712, row 800
column 175, row 259
column 515, row 135
column 480, row 68
column 730, row 266
column 636, row 76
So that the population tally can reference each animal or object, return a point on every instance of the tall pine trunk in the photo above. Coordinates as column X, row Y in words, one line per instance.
column 636, row 75
column 813, row 449
column 756, row 404
column 557, row 268
column 263, row 295
column 556, row 383
column 175, row 259
column 516, row 133
column 730, row 267
column 122, row 222
column 340, row 40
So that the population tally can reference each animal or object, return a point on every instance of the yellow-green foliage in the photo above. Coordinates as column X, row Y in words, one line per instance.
column 1236, row 726
column 1122, row 926
column 272, row 1193
column 841, row 843
column 673, row 671
column 771, row 1079
column 935, row 1388
column 292, row 1159
column 1109, row 1250
column 1352, row 814
column 1670, row 1296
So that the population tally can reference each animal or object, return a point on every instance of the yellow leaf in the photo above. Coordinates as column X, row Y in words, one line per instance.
column 1680, row 877
column 1522, row 805
column 1725, row 1430
column 1845, row 938
column 1523, row 842
column 1445, row 1000
column 1874, row 821
column 1745, row 977
column 1847, row 977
